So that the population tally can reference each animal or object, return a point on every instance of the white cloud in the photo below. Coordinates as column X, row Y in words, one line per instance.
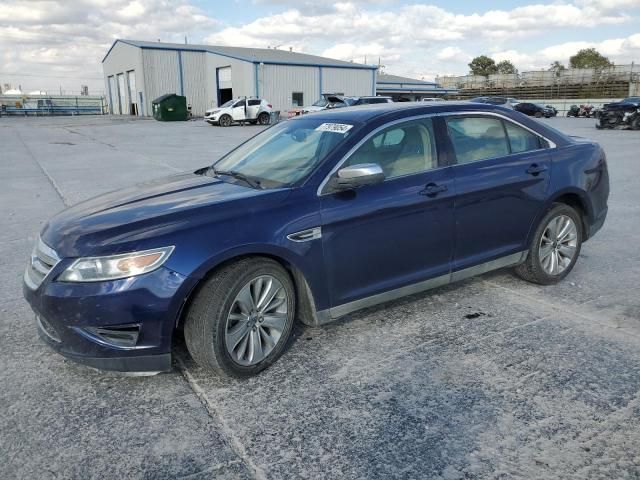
column 58, row 38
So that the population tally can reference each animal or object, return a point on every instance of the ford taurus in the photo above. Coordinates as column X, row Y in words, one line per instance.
column 311, row 219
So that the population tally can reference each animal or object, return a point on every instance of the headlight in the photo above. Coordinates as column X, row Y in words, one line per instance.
column 112, row 267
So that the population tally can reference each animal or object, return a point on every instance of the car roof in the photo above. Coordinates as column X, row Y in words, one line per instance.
column 399, row 110
column 365, row 113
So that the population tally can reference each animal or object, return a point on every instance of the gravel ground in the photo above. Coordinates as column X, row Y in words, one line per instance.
column 488, row 378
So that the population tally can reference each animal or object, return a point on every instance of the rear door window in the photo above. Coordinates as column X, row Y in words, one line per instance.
column 253, row 103
column 477, row 138
column 520, row 139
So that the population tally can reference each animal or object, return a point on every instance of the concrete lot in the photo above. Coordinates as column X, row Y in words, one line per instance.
column 488, row 378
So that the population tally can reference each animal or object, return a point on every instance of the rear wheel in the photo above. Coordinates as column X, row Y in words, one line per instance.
column 240, row 320
column 555, row 247
column 225, row 120
column 538, row 114
column 263, row 118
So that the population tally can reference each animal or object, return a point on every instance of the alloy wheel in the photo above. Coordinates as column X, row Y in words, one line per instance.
column 256, row 320
column 558, row 245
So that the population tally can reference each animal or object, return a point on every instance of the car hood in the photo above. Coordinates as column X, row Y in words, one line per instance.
column 620, row 106
column 113, row 222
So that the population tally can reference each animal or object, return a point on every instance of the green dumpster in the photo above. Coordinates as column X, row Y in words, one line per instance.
column 170, row 108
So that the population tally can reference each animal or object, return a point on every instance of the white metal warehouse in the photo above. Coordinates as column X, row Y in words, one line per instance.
column 137, row 72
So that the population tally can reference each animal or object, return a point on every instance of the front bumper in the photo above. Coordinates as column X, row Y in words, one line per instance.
column 69, row 314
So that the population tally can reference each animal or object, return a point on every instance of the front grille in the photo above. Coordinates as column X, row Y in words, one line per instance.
column 43, row 259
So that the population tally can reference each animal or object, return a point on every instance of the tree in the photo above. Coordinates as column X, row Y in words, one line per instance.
column 483, row 65
column 505, row 66
column 557, row 67
column 589, row 58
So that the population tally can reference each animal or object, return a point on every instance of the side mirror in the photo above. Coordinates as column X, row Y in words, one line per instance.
column 356, row 176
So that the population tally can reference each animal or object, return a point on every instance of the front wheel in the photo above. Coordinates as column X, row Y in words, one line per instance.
column 555, row 247
column 240, row 320
column 225, row 120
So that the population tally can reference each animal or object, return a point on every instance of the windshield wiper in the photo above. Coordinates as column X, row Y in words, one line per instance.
column 240, row 176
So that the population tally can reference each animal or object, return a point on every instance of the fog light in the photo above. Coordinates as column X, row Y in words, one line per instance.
column 117, row 336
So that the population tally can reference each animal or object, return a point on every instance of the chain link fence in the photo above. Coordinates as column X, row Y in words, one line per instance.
column 42, row 105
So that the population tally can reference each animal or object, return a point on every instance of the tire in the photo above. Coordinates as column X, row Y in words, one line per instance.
column 216, row 313
column 263, row 118
column 538, row 114
column 225, row 120
column 538, row 267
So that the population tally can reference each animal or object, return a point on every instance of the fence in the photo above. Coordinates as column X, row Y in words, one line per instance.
column 618, row 81
column 42, row 105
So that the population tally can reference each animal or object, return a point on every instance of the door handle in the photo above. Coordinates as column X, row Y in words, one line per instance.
column 536, row 169
column 433, row 189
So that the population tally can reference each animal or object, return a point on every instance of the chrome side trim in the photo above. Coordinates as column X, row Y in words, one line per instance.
column 328, row 315
column 428, row 115
column 502, row 262
column 344, row 309
column 306, row 235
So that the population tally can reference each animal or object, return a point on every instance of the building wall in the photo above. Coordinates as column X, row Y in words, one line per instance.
column 193, row 74
column 161, row 75
column 121, row 59
column 349, row 81
column 242, row 77
column 194, row 81
column 276, row 83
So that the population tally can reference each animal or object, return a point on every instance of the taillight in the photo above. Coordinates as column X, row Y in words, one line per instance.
column 269, row 105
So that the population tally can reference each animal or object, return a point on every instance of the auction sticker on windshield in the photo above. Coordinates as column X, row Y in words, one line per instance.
column 334, row 127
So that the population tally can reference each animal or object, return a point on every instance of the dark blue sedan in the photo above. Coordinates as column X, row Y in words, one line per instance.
column 312, row 219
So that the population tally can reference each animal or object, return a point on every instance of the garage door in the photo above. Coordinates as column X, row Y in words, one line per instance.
column 224, row 77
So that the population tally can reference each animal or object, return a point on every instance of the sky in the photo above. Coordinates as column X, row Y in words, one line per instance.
column 58, row 45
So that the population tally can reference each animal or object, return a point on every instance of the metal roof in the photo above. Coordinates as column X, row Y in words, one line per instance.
column 386, row 78
column 253, row 55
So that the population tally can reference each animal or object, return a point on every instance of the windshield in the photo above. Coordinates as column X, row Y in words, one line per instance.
column 285, row 153
column 320, row 103
column 227, row 104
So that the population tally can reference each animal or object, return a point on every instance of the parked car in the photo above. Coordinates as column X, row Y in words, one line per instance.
column 339, row 101
column 311, row 219
column 620, row 115
column 553, row 111
column 355, row 101
column 535, row 110
column 325, row 100
column 501, row 101
column 251, row 110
